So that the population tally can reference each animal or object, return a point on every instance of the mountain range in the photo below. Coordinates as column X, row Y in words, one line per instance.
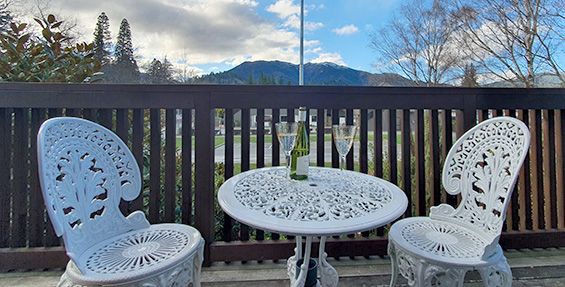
column 283, row 73
column 330, row 74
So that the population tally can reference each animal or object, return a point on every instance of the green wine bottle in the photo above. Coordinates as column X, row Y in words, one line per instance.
column 300, row 161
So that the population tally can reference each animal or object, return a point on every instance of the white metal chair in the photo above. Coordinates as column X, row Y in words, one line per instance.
column 85, row 170
column 439, row 250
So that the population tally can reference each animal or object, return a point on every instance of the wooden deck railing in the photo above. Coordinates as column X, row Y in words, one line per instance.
column 181, row 177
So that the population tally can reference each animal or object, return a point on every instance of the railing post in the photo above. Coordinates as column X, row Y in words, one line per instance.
column 470, row 111
column 204, row 172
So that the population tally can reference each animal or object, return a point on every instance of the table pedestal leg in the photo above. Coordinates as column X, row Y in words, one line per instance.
column 328, row 274
column 298, row 281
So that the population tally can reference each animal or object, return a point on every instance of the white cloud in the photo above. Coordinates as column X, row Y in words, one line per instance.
column 284, row 8
column 346, row 30
column 196, row 32
column 329, row 57
column 220, row 31
column 290, row 12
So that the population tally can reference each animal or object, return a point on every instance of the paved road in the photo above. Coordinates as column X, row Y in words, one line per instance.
column 220, row 152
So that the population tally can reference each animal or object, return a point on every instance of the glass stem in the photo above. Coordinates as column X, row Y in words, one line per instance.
column 288, row 165
column 342, row 162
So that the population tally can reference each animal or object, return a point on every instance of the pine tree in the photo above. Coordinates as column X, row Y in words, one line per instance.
column 102, row 39
column 125, row 69
column 160, row 72
column 153, row 71
column 469, row 77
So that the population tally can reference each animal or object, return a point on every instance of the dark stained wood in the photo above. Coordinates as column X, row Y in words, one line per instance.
column 272, row 249
column 560, row 161
column 105, row 118
column 137, row 150
column 447, row 142
column 542, row 177
column 204, row 173
column 170, row 165
column 435, row 153
column 335, row 154
column 5, row 189
column 378, row 151
column 349, row 157
column 539, row 170
column 378, row 143
column 20, row 178
column 122, row 132
column 527, row 182
column 260, row 120
column 290, row 115
column 73, row 113
column 521, row 187
column 228, row 168
column 533, row 156
column 36, row 205
column 363, row 141
column 186, row 150
column 320, row 131
column 275, row 150
column 406, row 164
column 470, row 112
column 32, row 258
column 392, row 155
column 420, row 165
column 245, row 161
column 363, row 147
column 268, row 249
column 122, row 124
column 550, row 172
column 89, row 114
column 514, row 206
column 155, row 166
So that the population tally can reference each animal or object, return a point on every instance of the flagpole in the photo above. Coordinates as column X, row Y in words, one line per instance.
column 301, row 68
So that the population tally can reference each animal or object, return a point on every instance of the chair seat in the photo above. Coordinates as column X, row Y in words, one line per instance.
column 440, row 241
column 137, row 254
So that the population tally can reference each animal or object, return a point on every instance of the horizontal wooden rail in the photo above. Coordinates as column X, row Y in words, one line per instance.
column 55, row 257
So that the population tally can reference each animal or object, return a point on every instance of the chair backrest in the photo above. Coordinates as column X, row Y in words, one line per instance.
column 84, row 171
column 483, row 166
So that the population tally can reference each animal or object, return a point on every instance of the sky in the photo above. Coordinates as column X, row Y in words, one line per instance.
column 216, row 35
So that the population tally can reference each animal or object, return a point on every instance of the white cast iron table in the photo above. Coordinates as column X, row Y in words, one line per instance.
column 331, row 202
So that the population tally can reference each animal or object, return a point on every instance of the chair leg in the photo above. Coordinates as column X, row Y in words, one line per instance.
column 441, row 276
column 407, row 266
column 419, row 272
column 65, row 281
column 198, row 259
column 497, row 275
column 394, row 264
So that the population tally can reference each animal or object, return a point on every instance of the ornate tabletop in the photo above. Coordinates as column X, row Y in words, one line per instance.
column 330, row 202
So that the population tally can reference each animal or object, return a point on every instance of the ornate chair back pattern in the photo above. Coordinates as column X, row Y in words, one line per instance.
column 85, row 170
column 483, row 166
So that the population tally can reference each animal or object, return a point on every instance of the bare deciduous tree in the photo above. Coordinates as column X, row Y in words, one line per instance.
column 512, row 39
column 419, row 43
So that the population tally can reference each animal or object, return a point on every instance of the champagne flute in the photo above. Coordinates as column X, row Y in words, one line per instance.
column 343, row 138
column 286, row 133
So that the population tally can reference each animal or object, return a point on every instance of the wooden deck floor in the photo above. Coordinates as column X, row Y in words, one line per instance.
column 542, row 267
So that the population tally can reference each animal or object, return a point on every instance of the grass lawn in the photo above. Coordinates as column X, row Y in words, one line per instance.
column 220, row 140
